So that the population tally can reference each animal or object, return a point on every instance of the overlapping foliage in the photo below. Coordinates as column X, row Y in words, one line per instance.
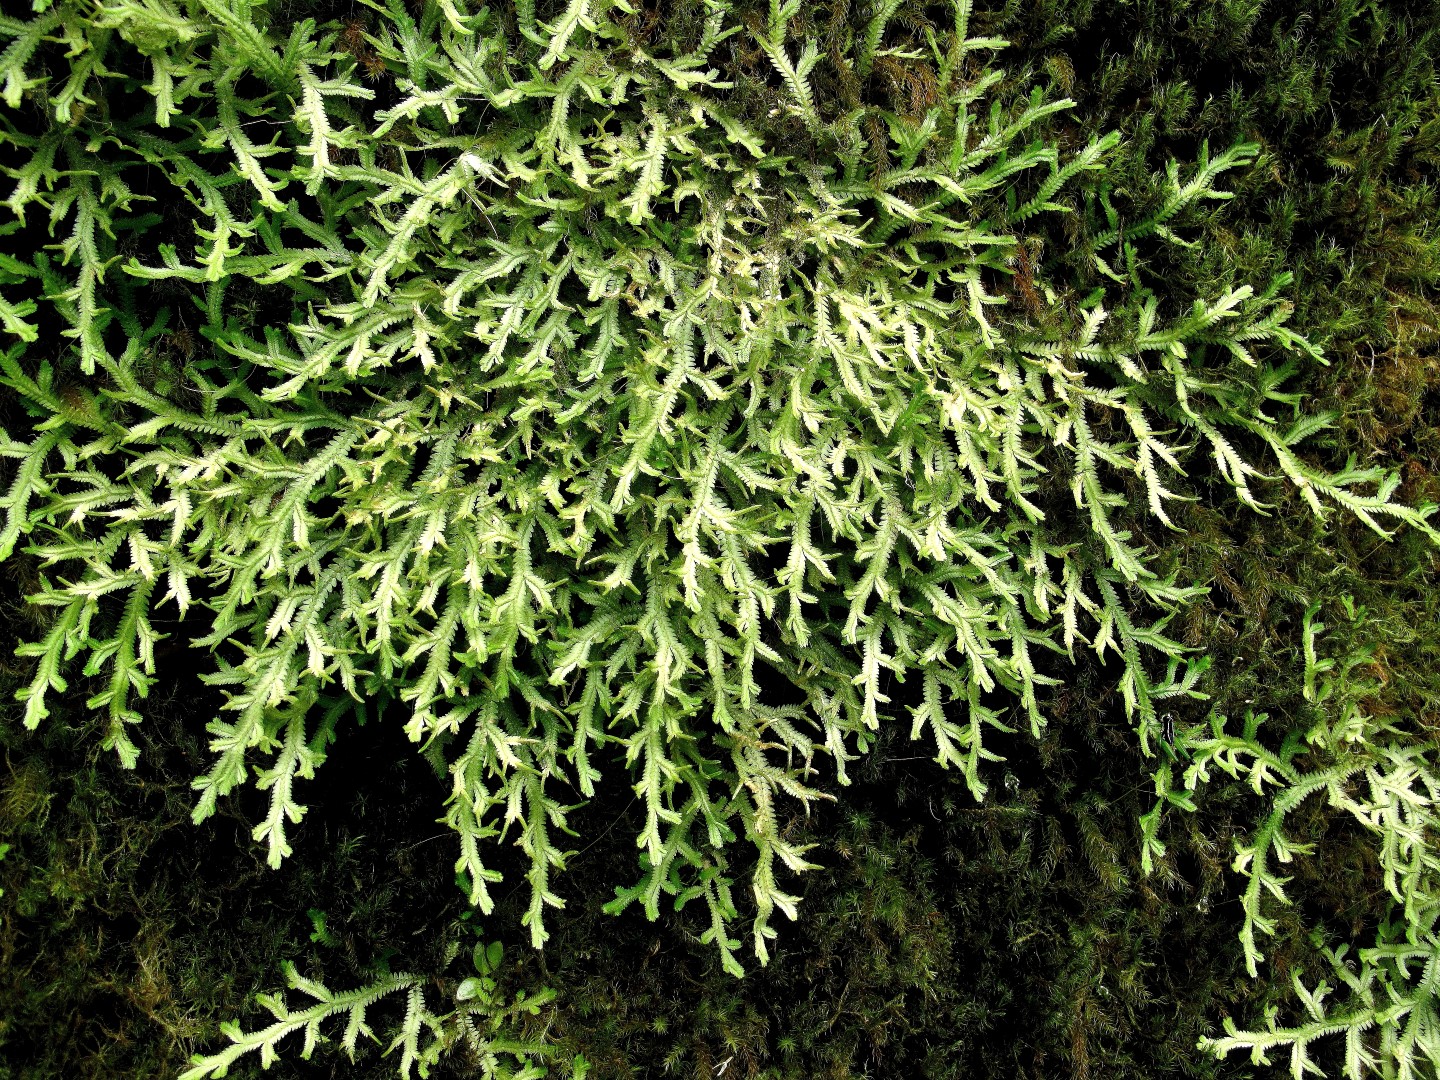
column 1381, row 770
column 477, row 1023
column 624, row 414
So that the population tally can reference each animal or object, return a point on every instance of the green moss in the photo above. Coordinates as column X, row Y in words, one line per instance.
column 1021, row 936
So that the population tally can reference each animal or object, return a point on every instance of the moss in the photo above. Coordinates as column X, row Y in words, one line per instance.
column 1015, row 938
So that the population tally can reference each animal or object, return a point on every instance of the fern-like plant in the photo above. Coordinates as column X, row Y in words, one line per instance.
column 478, row 1022
column 1382, row 771
column 601, row 408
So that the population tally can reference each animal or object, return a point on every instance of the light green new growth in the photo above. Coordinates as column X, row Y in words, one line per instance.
column 1383, row 772
column 478, row 1021
column 582, row 425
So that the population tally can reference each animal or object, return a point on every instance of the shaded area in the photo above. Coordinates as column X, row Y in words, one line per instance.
column 938, row 928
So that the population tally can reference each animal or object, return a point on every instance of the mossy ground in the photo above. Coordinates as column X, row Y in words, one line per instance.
column 1012, row 939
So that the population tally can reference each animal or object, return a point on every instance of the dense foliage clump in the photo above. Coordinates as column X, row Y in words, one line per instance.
column 698, row 397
